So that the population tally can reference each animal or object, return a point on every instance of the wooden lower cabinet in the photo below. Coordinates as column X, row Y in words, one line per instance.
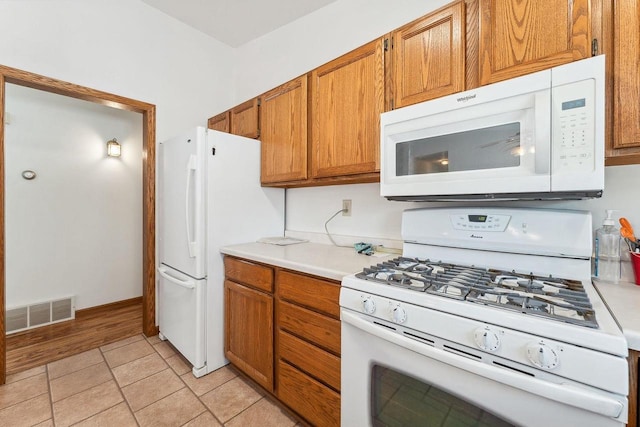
column 282, row 329
column 248, row 342
column 309, row 358
column 317, row 403
column 308, row 346
column 249, row 337
column 634, row 356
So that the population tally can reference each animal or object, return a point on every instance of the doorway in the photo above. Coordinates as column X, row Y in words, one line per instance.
column 147, row 111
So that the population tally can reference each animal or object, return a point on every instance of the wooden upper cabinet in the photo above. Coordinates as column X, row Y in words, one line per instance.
column 244, row 119
column 428, row 56
column 518, row 37
column 347, row 97
column 283, row 132
column 625, row 145
column 221, row 122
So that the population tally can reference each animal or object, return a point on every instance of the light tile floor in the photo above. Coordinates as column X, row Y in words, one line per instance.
column 138, row 381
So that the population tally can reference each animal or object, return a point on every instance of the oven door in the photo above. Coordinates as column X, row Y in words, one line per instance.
column 389, row 379
column 497, row 142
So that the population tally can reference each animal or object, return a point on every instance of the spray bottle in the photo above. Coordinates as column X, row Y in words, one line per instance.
column 607, row 250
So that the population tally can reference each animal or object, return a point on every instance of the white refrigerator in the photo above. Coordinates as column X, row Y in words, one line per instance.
column 208, row 196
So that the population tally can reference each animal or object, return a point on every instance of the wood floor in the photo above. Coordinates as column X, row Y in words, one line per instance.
column 91, row 329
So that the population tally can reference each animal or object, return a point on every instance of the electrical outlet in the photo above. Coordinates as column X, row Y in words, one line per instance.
column 346, row 207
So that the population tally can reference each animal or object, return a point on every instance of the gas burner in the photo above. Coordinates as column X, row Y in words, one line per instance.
column 550, row 297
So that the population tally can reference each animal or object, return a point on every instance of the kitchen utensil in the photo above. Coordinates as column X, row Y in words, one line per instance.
column 626, row 225
column 627, row 234
column 626, row 231
column 630, row 244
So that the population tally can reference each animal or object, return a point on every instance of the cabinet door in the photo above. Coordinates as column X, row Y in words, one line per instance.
column 249, row 332
column 518, row 37
column 347, row 97
column 429, row 56
column 221, row 122
column 626, row 78
column 244, row 119
column 283, row 132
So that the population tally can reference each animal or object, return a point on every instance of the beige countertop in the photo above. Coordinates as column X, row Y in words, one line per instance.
column 331, row 262
column 623, row 300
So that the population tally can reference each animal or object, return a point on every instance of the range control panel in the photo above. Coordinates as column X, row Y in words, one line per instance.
column 480, row 222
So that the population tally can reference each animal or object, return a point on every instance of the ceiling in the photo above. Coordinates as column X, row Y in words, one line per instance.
column 235, row 22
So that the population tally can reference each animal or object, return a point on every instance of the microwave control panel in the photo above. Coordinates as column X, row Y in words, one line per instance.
column 574, row 127
column 480, row 222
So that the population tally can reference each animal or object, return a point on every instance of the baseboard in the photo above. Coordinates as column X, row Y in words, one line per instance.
column 108, row 307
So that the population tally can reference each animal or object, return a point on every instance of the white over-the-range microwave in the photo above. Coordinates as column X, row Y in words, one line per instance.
column 536, row 137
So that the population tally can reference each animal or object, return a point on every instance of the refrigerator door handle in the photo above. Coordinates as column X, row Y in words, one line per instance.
column 189, row 284
column 191, row 167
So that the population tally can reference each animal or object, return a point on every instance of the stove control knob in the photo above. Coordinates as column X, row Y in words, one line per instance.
column 487, row 339
column 398, row 314
column 542, row 355
column 368, row 305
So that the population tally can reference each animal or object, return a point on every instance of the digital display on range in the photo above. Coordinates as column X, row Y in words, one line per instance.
column 576, row 103
column 477, row 218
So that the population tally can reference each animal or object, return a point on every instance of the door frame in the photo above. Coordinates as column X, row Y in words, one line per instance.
column 148, row 111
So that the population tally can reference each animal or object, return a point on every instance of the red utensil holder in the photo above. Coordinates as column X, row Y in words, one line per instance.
column 635, row 261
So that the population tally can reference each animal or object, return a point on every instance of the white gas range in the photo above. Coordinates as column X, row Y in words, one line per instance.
column 489, row 316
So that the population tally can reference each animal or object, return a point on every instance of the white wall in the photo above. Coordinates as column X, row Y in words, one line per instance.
column 130, row 49
column 376, row 217
column 123, row 47
column 76, row 229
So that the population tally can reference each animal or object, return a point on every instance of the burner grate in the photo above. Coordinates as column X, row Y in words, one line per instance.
column 549, row 297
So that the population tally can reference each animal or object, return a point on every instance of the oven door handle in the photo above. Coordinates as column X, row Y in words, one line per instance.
column 564, row 393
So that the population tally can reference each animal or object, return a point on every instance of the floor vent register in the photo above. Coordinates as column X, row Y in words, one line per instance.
column 39, row 314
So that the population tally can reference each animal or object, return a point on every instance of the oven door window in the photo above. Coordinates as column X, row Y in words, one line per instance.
column 400, row 400
column 492, row 147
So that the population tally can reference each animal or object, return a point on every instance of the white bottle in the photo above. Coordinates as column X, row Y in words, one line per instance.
column 607, row 250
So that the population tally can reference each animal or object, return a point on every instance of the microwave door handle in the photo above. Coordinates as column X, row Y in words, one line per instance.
column 564, row 393
column 542, row 133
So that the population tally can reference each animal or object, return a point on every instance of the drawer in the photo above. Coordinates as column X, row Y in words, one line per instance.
column 321, row 330
column 317, row 294
column 316, row 362
column 248, row 273
column 314, row 401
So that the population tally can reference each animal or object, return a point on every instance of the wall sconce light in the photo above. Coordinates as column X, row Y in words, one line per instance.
column 113, row 148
